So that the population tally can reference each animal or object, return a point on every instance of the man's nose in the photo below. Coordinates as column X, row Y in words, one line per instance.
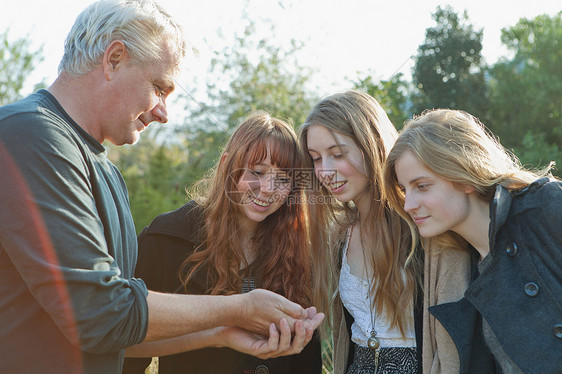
column 160, row 112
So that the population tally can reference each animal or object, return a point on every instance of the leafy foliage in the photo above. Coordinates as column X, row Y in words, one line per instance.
column 260, row 76
column 449, row 72
column 526, row 91
column 155, row 175
column 391, row 94
column 16, row 62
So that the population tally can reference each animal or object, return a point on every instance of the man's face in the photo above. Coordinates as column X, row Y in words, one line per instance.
column 140, row 93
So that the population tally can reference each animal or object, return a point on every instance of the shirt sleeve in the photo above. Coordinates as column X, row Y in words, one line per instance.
column 51, row 231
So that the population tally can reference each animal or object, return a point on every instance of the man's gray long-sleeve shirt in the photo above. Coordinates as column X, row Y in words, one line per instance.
column 68, row 299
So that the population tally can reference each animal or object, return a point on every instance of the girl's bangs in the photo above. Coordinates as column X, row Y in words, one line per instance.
column 283, row 151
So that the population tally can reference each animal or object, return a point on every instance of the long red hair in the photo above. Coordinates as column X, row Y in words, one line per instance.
column 283, row 258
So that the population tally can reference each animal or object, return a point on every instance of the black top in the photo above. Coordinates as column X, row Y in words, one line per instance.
column 163, row 246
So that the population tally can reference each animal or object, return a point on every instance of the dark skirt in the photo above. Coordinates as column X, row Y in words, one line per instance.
column 391, row 361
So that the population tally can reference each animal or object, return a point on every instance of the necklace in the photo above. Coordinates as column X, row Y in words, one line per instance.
column 373, row 342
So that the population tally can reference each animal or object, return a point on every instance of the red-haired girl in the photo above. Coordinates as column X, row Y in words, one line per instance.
column 245, row 229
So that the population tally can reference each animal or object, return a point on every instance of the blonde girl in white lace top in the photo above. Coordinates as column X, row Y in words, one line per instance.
column 362, row 247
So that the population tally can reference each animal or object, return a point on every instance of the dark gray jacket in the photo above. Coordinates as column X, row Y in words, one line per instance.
column 68, row 248
column 520, row 293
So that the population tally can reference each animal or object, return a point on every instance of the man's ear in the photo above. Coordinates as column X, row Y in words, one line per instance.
column 113, row 58
column 468, row 189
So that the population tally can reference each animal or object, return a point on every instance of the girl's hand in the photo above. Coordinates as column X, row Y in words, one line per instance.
column 279, row 343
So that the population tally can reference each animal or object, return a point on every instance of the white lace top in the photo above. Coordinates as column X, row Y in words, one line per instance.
column 355, row 297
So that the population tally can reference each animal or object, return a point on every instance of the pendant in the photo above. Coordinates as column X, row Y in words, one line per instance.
column 373, row 342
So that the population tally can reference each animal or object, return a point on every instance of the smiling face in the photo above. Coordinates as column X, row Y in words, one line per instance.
column 261, row 191
column 338, row 164
column 138, row 97
column 435, row 204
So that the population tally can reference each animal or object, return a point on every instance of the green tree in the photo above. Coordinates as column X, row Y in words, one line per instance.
column 391, row 94
column 526, row 90
column 252, row 74
column 449, row 70
column 16, row 62
column 261, row 76
column 155, row 174
column 536, row 152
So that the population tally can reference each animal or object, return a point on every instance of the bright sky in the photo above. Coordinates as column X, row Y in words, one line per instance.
column 341, row 37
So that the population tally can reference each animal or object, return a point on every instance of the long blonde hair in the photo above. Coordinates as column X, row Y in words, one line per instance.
column 456, row 146
column 283, row 258
column 360, row 117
